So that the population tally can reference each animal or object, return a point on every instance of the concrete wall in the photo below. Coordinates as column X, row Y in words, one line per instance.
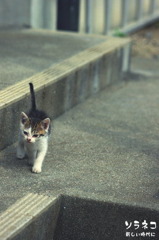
column 15, row 13
column 98, row 10
column 43, row 13
column 23, row 13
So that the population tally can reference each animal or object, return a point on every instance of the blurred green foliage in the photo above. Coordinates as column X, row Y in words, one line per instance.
column 119, row 33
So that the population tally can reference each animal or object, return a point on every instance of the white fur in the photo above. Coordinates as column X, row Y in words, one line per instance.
column 35, row 150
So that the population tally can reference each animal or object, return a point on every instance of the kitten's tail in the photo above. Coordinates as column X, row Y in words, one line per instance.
column 33, row 102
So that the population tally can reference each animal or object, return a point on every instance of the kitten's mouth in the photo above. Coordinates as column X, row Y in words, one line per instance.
column 29, row 140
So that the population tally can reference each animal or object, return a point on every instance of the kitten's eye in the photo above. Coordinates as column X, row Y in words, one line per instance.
column 41, row 135
column 25, row 133
column 35, row 135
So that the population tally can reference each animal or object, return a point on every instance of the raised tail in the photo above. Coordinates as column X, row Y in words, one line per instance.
column 33, row 102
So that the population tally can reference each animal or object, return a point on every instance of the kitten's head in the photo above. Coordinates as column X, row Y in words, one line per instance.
column 33, row 129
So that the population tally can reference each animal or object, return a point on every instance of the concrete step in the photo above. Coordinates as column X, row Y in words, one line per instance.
column 28, row 218
column 65, row 69
column 101, row 171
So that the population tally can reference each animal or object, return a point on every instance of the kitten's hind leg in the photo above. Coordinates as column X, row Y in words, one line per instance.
column 20, row 150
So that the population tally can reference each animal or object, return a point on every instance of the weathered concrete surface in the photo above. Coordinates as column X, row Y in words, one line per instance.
column 81, row 218
column 106, row 150
column 73, row 75
column 32, row 217
column 145, row 66
column 27, row 52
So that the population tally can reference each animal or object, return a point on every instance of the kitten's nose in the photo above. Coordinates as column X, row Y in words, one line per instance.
column 29, row 139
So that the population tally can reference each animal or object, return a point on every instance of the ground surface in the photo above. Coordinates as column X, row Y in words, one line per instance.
column 146, row 42
column 22, row 55
column 106, row 148
column 145, row 51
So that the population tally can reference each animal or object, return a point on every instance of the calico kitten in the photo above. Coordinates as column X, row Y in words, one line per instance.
column 33, row 138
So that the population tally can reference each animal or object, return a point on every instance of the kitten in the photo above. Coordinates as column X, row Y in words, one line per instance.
column 33, row 138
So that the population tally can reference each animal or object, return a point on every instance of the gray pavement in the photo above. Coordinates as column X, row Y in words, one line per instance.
column 24, row 53
column 104, row 149
column 145, row 66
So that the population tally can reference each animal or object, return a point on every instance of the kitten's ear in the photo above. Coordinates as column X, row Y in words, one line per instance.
column 46, row 123
column 24, row 117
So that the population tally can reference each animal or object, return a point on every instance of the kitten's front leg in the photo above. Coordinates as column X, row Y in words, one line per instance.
column 38, row 161
column 31, row 156
column 20, row 150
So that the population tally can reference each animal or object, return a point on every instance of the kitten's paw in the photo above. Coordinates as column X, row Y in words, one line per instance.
column 20, row 155
column 36, row 169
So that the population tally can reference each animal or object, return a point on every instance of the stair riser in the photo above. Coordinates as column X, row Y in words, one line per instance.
column 62, row 91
